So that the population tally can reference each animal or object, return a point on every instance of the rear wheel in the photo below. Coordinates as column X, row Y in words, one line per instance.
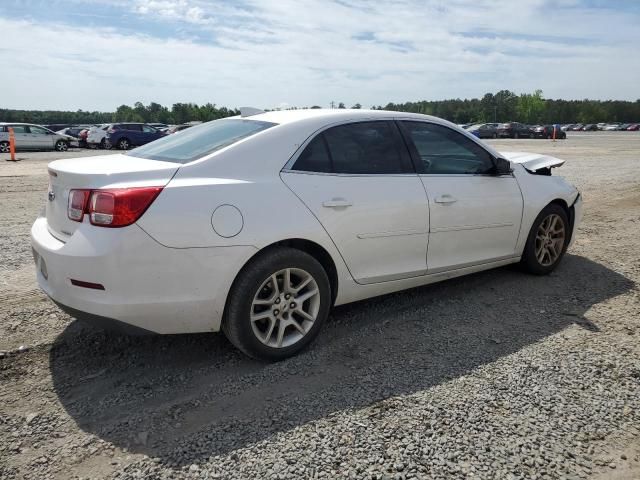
column 103, row 144
column 124, row 144
column 62, row 146
column 277, row 304
column 4, row 147
column 547, row 241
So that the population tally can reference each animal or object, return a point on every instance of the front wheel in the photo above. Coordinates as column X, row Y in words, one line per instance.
column 62, row 146
column 4, row 147
column 547, row 241
column 277, row 304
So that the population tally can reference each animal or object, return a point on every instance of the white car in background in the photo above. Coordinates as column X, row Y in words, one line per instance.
column 34, row 137
column 96, row 138
column 257, row 225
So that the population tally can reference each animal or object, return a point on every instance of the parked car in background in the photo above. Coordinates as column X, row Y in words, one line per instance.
column 33, row 137
column 590, row 127
column 258, row 225
column 633, row 127
column 160, row 126
column 54, row 127
column 577, row 127
column 178, row 128
column 514, row 130
column 546, row 131
column 611, row 127
column 568, row 127
column 96, row 136
column 623, row 126
column 75, row 131
column 126, row 135
column 484, row 130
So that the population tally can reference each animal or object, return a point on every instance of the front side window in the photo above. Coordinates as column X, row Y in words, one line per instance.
column 148, row 129
column 198, row 141
column 442, row 150
column 364, row 148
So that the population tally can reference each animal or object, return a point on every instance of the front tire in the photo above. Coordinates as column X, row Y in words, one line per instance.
column 277, row 304
column 62, row 146
column 4, row 147
column 547, row 241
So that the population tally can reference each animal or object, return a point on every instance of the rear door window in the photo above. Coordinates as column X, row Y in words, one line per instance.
column 361, row 148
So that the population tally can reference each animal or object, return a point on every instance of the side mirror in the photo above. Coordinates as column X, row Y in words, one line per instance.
column 503, row 166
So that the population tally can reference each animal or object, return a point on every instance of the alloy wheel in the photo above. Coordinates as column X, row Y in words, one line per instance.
column 285, row 307
column 4, row 147
column 62, row 146
column 550, row 239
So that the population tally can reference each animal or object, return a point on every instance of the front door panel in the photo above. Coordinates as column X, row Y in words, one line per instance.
column 474, row 219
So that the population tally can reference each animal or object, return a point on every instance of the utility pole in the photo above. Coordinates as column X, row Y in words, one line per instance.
column 333, row 104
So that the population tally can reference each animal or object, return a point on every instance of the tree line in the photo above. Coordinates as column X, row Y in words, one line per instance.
column 503, row 106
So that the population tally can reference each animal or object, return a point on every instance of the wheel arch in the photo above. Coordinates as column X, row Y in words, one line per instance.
column 310, row 247
column 569, row 210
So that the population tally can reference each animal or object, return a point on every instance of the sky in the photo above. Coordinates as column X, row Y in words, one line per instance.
column 99, row 54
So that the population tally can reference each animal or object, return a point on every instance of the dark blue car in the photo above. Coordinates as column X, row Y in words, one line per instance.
column 127, row 135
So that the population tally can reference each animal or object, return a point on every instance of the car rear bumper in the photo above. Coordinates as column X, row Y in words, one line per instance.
column 135, row 283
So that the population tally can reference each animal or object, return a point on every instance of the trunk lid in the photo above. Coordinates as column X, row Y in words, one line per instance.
column 533, row 161
column 104, row 171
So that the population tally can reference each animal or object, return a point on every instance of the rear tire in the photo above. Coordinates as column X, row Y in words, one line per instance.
column 4, row 147
column 124, row 144
column 103, row 144
column 270, row 322
column 547, row 241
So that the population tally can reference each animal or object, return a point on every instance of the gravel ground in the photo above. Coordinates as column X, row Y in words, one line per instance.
column 495, row 375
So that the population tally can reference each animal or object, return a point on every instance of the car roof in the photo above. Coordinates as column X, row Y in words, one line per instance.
column 326, row 115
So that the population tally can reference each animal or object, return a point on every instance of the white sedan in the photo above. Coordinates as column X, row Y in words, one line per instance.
column 257, row 225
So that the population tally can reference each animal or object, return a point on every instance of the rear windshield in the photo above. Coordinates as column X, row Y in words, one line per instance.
column 200, row 140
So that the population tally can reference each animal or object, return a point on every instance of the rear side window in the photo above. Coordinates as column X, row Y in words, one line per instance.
column 364, row 148
column 19, row 128
column 133, row 126
column 443, row 151
column 196, row 142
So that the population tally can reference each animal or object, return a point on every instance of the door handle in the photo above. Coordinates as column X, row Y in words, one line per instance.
column 446, row 199
column 336, row 203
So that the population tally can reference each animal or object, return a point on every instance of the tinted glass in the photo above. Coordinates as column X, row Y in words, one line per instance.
column 132, row 126
column 148, row 129
column 19, row 128
column 201, row 140
column 366, row 148
column 444, row 151
column 315, row 157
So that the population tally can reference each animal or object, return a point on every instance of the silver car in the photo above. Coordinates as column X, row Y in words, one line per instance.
column 33, row 137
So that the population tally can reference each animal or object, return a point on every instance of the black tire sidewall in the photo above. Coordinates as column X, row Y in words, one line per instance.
column 236, row 324
column 529, row 260
column 120, row 144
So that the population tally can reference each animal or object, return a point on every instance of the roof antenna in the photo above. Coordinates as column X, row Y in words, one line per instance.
column 249, row 111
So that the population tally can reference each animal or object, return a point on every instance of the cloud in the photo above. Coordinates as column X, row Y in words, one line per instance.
column 291, row 52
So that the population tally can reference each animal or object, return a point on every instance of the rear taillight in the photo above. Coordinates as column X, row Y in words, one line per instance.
column 77, row 204
column 117, row 207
